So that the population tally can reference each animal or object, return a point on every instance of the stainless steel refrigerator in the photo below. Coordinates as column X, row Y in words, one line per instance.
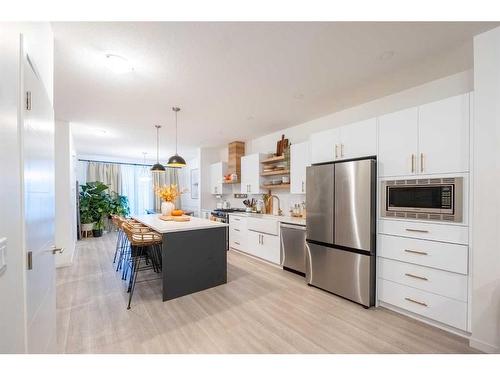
column 341, row 217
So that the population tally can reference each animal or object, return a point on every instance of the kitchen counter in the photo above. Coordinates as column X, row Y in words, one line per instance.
column 281, row 219
column 161, row 226
column 193, row 253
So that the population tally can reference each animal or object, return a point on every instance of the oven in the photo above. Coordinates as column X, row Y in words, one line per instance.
column 427, row 199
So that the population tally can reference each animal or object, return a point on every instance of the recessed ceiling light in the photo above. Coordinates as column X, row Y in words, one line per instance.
column 386, row 55
column 118, row 64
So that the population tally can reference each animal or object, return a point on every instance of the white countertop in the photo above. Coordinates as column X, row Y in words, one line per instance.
column 162, row 226
column 281, row 219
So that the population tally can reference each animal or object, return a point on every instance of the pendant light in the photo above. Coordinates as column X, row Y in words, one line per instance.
column 176, row 161
column 157, row 167
column 145, row 175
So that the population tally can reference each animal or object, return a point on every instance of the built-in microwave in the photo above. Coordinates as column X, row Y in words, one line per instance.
column 426, row 199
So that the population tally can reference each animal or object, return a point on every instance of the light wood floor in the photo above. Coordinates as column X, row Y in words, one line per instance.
column 261, row 309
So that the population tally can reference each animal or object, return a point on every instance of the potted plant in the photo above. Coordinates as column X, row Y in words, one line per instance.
column 118, row 205
column 94, row 205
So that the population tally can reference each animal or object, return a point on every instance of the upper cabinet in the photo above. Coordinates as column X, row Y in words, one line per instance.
column 443, row 135
column 355, row 140
column 216, row 179
column 397, row 145
column 251, row 174
column 324, row 145
column 358, row 140
column 430, row 139
column 299, row 161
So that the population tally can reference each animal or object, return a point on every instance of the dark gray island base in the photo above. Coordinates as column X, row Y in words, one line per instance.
column 194, row 255
column 193, row 260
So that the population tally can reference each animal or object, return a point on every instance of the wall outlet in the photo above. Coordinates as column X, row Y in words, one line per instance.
column 3, row 255
column 241, row 196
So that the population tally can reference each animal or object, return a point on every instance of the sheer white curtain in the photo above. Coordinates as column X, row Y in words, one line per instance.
column 107, row 173
column 137, row 185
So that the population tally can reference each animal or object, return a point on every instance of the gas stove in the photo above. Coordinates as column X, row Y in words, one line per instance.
column 222, row 213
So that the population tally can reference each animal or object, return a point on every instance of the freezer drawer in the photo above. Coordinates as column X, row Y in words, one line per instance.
column 348, row 274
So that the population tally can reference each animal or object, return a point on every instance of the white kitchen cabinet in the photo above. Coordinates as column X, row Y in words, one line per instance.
column 443, row 136
column 251, row 179
column 397, row 148
column 358, row 140
column 324, row 145
column 299, row 161
column 263, row 245
column 217, row 171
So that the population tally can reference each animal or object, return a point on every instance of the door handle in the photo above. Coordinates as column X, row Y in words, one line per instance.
column 421, row 162
column 412, row 163
column 417, row 277
column 417, row 230
column 56, row 250
column 309, row 262
column 336, row 153
column 415, row 301
column 416, row 252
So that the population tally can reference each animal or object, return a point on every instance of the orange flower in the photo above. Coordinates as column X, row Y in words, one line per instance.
column 169, row 193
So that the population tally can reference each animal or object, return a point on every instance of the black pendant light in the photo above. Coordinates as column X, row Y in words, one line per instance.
column 157, row 167
column 176, row 161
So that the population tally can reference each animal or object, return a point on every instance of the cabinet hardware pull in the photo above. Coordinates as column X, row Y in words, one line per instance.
column 302, row 186
column 336, row 153
column 416, row 252
column 417, row 277
column 421, row 162
column 412, row 163
column 235, row 219
column 236, row 242
column 417, row 230
column 237, row 230
column 417, row 302
column 342, row 150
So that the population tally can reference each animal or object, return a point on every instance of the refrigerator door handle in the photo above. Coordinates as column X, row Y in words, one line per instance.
column 309, row 274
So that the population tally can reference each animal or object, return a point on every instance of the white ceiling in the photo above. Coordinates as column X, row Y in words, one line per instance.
column 236, row 81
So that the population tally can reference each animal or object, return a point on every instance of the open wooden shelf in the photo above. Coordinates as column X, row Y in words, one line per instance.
column 231, row 182
column 275, row 173
column 274, row 159
column 280, row 186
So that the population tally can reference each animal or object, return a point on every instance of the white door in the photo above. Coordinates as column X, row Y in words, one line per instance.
column 299, row 160
column 38, row 155
column 325, row 146
column 397, row 147
column 443, row 129
column 358, row 139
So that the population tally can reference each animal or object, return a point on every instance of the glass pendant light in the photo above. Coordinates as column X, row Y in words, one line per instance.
column 176, row 161
column 144, row 176
column 157, row 167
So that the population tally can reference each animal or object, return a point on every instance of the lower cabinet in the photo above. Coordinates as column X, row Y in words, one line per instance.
column 243, row 237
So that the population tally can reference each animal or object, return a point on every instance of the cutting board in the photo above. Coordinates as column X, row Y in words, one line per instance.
column 175, row 218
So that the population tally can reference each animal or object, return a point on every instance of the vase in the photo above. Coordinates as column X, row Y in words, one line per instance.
column 167, row 208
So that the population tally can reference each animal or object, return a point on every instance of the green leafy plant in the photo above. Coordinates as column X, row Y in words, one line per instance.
column 94, row 203
column 118, row 205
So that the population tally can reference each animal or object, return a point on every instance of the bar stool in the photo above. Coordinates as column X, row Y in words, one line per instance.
column 123, row 245
column 145, row 245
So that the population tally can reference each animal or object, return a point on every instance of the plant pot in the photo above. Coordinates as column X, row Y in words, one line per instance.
column 167, row 208
column 87, row 227
column 96, row 232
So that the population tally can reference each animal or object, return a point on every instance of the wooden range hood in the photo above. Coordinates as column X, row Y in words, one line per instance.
column 235, row 150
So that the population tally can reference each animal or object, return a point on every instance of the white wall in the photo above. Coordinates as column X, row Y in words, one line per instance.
column 486, row 194
column 65, row 190
column 442, row 88
column 207, row 156
column 187, row 202
column 39, row 45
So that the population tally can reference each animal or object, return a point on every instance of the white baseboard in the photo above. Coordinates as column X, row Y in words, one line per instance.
column 483, row 346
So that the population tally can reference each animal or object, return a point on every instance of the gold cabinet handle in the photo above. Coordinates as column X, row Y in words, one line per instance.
column 412, row 163
column 417, row 302
column 421, row 162
column 416, row 252
column 336, row 152
column 417, row 277
column 342, row 150
column 417, row 230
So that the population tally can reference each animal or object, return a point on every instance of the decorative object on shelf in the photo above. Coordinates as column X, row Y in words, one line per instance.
column 195, row 183
column 281, row 145
column 168, row 194
column 157, row 167
column 176, row 161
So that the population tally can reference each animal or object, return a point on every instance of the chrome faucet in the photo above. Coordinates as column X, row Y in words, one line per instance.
column 280, row 213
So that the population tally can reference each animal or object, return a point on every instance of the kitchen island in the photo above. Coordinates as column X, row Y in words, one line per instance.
column 193, row 253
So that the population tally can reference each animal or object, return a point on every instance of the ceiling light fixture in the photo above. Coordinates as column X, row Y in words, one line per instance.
column 118, row 64
column 176, row 161
column 145, row 177
column 157, row 167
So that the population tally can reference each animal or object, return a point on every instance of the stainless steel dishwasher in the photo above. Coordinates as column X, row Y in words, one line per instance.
column 293, row 247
